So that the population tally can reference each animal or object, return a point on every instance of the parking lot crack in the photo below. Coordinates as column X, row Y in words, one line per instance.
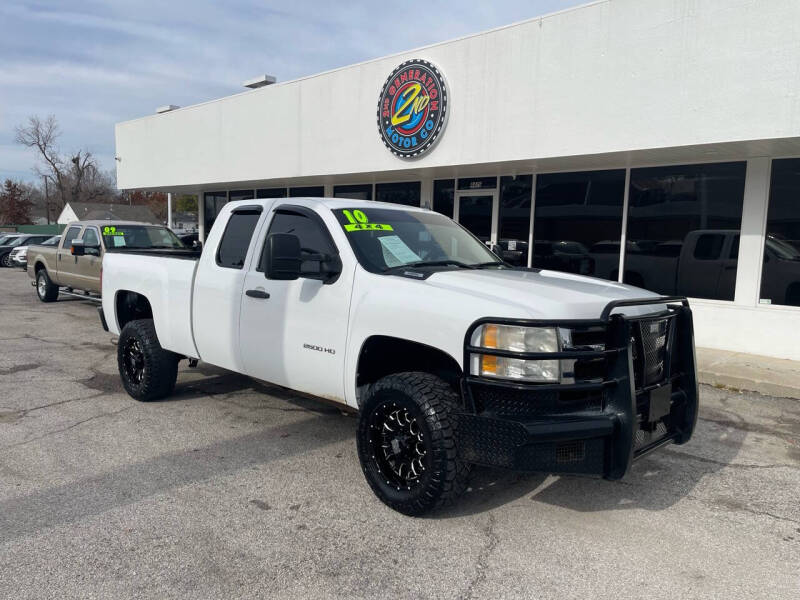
column 722, row 463
column 73, row 426
column 481, row 564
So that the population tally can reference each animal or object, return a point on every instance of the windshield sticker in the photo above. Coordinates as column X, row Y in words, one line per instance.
column 111, row 230
column 119, row 240
column 398, row 250
column 358, row 221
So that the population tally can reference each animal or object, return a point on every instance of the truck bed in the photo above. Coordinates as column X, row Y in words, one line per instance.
column 166, row 278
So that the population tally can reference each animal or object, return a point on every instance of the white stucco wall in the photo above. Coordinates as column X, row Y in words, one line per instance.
column 616, row 75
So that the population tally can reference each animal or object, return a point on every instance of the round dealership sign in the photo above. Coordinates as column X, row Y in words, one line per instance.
column 412, row 109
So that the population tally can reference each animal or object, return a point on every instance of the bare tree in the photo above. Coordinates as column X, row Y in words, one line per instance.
column 75, row 177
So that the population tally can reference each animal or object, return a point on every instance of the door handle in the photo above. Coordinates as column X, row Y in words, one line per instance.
column 257, row 294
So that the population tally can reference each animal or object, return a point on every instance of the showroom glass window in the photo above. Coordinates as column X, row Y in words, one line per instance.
column 407, row 193
column 271, row 193
column 578, row 222
column 241, row 195
column 314, row 191
column 354, row 192
column 443, row 196
column 683, row 225
column 780, row 275
column 515, row 218
column 212, row 204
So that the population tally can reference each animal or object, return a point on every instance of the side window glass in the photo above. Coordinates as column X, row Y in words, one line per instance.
column 709, row 246
column 313, row 240
column 72, row 233
column 90, row 237
column 236, row 238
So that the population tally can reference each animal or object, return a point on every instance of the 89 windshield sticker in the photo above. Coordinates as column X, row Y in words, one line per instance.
column 358, row 221
column 111, row 230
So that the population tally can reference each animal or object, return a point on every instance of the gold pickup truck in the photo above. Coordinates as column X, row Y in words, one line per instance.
column 76, row 262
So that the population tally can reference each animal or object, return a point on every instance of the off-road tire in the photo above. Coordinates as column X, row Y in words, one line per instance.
column 434, row 404
column 5, row 260
column 46, row 290
column 159, row 367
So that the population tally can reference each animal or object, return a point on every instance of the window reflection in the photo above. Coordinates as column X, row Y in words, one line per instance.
column 683, row 229
column 515, row 218
column 443, row 196
column 578, row 222
column 314, row 191
column 354, row 192
column 407, row 193
column 780, row 276
column 212, row 204
column 271, row 193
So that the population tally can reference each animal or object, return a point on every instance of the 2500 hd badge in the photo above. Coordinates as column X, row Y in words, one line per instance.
column 452, row 357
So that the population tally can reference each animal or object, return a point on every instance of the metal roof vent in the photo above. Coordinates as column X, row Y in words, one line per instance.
column 260, row 81
column 166, row 108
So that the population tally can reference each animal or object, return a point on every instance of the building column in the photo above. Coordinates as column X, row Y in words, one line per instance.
column 328, row 190
column 426, row 193
column 751, row 244
column 169, row 210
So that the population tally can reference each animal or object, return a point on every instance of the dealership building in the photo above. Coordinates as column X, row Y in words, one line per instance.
column 652, row 142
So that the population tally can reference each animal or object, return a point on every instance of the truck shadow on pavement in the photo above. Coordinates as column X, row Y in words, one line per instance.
column 655, row 482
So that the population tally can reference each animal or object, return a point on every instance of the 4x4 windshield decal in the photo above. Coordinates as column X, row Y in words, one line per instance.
column 358, row 221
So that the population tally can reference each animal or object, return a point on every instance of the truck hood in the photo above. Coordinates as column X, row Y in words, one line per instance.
column 543, row 294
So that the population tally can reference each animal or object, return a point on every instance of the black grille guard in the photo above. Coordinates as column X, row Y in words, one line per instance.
column 618, row 386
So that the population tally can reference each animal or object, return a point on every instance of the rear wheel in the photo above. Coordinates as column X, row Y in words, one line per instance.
column 45, row 289
column 5, row 260
column 148, row 372
column 407, row 443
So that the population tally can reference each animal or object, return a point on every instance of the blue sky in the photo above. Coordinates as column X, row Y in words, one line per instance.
column 94, row 63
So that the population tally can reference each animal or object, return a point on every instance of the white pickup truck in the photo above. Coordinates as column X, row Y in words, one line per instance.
column 451, row 356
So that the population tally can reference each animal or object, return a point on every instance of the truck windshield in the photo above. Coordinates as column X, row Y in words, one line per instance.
column 140, row 236
column 384, row 239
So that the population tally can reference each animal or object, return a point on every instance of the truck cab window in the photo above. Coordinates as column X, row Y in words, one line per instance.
column 90, row 237
column 709, row 246
column 236, row 238
column 313, row 239
column 72, row 233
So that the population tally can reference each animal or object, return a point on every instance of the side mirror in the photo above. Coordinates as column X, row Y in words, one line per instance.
column 283, row 257
column 77, row 249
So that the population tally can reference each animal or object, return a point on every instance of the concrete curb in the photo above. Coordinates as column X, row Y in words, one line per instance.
column 736, row 370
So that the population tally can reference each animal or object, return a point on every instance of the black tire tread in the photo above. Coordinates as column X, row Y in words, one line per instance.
column 51, row 289
column 438, row 402
column 161, row 370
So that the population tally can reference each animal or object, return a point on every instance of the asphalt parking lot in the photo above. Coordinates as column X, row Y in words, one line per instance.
column 233, row 488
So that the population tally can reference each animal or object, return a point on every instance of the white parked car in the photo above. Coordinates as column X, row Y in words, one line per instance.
column 451, row 356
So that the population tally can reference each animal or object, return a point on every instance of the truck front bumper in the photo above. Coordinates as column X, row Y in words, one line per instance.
column 643, row 397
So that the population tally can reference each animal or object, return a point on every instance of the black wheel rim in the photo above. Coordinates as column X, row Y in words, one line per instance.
column 133, row 361
column 398, row 446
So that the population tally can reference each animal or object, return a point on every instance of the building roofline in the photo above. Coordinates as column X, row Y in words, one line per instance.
column 371, row 60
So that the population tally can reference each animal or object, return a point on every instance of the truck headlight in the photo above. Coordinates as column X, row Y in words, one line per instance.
column 512, row 338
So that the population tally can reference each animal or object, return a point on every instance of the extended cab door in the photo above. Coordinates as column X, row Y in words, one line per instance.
column 293, row 333
column 217, row 290
column 65, row 261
